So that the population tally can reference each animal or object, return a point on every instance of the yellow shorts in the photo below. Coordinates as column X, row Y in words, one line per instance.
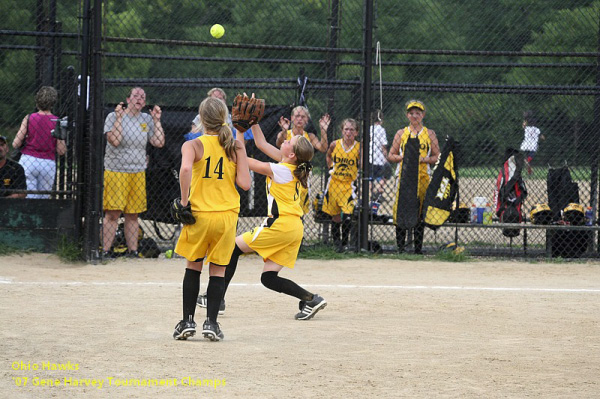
column 212, row 236
column 277, row 240
column 124, row 192
column 340, row 197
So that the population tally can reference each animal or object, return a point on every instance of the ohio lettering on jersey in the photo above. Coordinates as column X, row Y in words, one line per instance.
column 345, row 161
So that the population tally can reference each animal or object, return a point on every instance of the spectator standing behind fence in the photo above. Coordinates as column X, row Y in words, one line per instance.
column 128, row 130
column 339, row 200
column 531, row 137
column 215, row 92
column 197, row 131
column 12, row 175
column 299, row 120
column 429, row 152
column 38, row 147
column 378, row 156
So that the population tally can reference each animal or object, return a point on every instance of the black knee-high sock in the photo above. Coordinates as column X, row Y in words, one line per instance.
column 419, row 232
column 400, row 239
column 273, row 282
column 231, row 266
column 335, row 233
column 191, row 287
column 214, row 294
column 346, row 224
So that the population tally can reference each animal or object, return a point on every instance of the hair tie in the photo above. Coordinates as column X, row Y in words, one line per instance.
column 224, row 124
column 305, row 166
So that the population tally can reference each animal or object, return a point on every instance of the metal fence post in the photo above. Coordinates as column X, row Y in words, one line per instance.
column 82, row 206
column 366, row 120
column 96, row 150
column 596, row 134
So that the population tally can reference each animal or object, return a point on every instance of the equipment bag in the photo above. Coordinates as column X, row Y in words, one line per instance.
column 510, row 191
column 148, row 248
column 562, row 190
column 408, row 212
column 442, row 189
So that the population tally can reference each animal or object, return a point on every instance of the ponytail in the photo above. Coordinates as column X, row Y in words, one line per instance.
column 302, row 173
column 213, row 114
column 304, row 153
column 227, row 141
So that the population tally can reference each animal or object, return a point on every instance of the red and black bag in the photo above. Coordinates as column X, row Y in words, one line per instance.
column 510, row 191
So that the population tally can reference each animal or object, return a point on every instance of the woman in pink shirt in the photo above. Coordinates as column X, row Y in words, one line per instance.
column 39, row 148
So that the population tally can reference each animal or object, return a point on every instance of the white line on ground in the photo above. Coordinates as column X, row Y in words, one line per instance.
column 7, row 281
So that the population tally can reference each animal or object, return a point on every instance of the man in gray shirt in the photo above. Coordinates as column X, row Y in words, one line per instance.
column 128, row 130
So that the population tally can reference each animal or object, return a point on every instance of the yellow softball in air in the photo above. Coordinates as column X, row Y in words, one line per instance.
column 217, row 31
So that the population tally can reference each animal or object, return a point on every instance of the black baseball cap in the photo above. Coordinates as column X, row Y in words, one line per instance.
column 3, row 138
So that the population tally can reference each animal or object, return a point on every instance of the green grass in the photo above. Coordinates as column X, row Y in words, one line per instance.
column 452, row 256
column 327, row 252
column 68, row 251
column 8, row 250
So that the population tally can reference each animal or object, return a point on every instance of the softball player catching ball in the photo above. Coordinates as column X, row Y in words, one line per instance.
column 277, row 240
column 211, row 165
column 300, row 117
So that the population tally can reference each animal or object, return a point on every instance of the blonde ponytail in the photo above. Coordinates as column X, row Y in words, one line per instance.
column 213, row 115
column 227, row 141
column 304, row 153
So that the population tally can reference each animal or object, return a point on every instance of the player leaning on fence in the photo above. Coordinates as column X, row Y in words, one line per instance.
column 343, row 159
column 211, row 166
column 429, row 152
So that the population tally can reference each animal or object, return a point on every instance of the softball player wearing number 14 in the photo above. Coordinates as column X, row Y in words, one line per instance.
column 211, row 165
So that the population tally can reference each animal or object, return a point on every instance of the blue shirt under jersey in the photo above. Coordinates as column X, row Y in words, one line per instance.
column 190, row 136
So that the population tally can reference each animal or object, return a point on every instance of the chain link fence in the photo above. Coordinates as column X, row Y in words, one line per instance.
column 487, row 74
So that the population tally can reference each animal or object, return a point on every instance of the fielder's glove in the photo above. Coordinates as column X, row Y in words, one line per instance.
column 182, row 214
column 246, row 111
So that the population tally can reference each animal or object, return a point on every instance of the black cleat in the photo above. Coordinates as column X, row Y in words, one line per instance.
column 211, row 330
column 311, row 308
column 133, row 254
column 202, row 301
column 184, row 330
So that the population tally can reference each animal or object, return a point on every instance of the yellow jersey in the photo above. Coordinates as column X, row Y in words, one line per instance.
column 345, row 161
column 213, row 179
column 424, row 147
column 290, row 134
column 283, row 191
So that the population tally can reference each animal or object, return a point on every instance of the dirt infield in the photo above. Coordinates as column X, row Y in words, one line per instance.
column 392, row 329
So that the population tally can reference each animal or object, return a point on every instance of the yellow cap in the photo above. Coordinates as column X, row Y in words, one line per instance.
column 415, row 104
column 537, row 209
column 574, row 207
